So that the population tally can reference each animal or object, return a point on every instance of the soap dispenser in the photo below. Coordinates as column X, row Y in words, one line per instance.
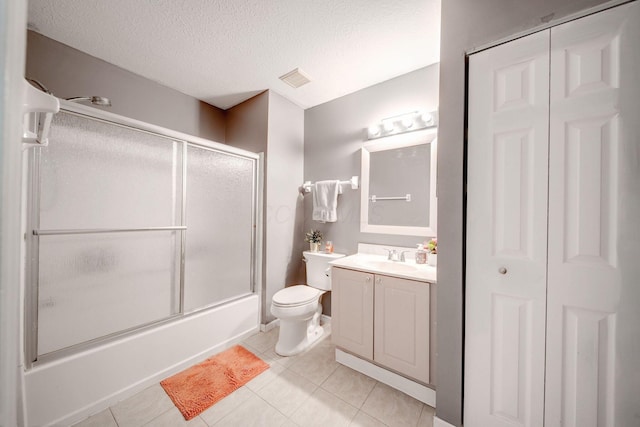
column 421, row 254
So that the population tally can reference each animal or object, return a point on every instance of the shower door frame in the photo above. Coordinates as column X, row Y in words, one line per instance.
column 32, row 230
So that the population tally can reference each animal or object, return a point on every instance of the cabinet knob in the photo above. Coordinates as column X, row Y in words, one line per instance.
column 502, row 270
column 367, row 279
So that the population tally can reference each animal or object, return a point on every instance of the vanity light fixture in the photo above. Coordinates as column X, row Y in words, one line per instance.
column 409, row 122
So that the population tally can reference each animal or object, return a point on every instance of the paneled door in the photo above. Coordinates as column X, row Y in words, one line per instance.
column 593, row 326
column 572, row 251
column 507, row 234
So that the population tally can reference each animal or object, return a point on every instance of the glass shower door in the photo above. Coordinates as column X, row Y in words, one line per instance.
column 108, row 233
column 219, row 253
column 131, row 227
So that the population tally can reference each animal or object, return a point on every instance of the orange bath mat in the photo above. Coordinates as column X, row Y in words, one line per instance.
column 197, row 388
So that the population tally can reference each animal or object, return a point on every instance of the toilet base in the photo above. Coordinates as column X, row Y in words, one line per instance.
column 296, row 335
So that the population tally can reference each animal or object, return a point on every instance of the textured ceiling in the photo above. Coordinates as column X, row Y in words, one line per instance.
column 225, row 51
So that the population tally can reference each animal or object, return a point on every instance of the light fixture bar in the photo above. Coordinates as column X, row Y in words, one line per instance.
column 402, row 123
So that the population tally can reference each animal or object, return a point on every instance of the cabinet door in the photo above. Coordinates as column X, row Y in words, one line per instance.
column 593, row 323
column 507, row 234
column 402, row 326
column 352, row 311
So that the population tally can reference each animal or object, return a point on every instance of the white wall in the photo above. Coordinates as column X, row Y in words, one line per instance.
column 13, row 19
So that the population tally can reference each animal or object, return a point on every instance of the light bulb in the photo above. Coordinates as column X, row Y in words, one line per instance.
column 388, row 126
column 407, row 122
column 427, row 118
column 374, row 130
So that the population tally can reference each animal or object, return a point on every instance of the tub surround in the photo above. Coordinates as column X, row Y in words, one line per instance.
column 70, row 389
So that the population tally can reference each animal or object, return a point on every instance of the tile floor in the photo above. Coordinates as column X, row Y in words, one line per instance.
column 307, row 390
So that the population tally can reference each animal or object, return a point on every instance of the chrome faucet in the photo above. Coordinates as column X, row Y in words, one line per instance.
column 394, row 255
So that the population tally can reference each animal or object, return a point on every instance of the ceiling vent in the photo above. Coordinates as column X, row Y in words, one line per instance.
column 295, row 78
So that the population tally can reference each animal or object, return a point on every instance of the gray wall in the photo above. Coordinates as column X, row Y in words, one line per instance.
column 334, row 133
column 247, row 128
column 247, row 124
column 67, row 72
column 271, row 124
column 467, row 24
column 284, row 214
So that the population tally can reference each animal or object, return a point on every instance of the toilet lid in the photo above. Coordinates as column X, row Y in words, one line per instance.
column 296, row 295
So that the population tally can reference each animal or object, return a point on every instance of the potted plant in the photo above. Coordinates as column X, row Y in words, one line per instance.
column 432, row 249
column 314, row 237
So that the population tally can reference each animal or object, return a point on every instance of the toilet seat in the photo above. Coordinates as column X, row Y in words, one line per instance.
column 295, row 296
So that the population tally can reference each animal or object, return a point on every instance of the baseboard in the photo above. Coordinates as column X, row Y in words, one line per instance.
column 437, row 422
column 269, row 326
column 405, row 385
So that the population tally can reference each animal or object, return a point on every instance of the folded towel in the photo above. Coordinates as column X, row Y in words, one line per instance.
column 325, row 201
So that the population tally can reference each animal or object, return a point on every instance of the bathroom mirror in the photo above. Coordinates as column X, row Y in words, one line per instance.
column 398, row 193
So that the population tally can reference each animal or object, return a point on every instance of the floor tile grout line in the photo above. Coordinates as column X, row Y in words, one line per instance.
column 424, row 406
column 112, row 416
column 367, row 398
column 348, row 403
column 279, row 411
column 159, row 415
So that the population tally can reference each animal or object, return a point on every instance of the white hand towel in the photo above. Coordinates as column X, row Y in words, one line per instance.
column 325, row 201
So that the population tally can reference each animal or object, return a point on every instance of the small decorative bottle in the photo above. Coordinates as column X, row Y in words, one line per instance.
column 328, row 248
column 421, row 255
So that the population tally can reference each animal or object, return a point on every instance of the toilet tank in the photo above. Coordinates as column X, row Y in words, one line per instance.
column 318, row 269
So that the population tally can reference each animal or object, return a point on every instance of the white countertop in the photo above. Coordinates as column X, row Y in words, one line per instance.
column 379, row 264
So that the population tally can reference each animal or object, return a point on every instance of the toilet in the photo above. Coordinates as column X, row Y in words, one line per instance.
column 298, row 307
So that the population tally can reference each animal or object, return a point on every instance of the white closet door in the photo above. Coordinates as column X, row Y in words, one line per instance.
column 593, row 326
column 507, row 234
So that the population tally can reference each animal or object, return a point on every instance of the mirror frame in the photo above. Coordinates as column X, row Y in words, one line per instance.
column 428, row 136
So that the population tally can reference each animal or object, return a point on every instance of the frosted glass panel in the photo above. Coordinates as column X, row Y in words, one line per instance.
column 219, row 227
column 98, row 175
column 94, row 285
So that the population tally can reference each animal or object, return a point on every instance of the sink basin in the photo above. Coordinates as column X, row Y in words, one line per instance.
column 391, row 266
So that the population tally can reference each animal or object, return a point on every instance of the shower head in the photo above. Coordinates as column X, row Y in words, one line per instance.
column 95, row 100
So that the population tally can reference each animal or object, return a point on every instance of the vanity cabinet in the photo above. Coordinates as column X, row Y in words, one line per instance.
column 383, row 319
